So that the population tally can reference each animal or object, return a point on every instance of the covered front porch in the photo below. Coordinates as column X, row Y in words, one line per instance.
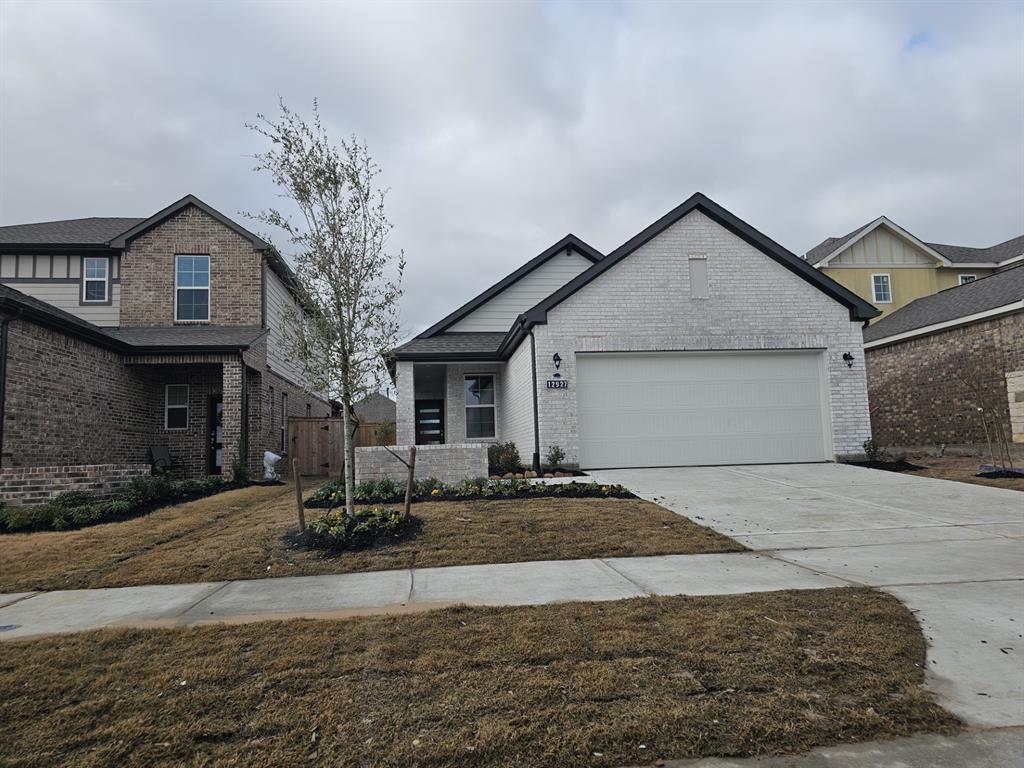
column 449, row 403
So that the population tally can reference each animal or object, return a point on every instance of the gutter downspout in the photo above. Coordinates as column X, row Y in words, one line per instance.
column 536, row 421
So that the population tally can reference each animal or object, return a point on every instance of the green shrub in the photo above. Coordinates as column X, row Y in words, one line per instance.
column 555, row 456
column 368, row 527
column 425, row 487
column 384, row 433
column 26, row 518
column 504, row 457
column 71, row 499
column 874, row 452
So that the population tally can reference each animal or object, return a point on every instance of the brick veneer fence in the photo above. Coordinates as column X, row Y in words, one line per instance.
column 449, row 463
column 34, row 485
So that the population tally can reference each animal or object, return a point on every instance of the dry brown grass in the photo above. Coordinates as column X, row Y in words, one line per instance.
column 962, row 469
column 240, row 535
column 559, row 685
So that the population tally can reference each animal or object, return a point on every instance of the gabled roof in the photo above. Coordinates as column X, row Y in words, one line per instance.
column 94, row 231
column 569, row 242
column 859, row 309
column 999, row 290
column 146, row 224
column 824, row 252
column 948, row 255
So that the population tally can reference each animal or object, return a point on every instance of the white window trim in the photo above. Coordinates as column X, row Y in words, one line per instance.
column 466, row 406
column 105, row 280
column 168, row 406
column 960, row 279
column 874, row 295
column 208, row 288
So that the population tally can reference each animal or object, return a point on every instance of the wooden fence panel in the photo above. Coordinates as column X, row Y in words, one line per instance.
column 319, row 443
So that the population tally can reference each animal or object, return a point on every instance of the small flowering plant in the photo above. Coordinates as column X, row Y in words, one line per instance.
column 368, row 527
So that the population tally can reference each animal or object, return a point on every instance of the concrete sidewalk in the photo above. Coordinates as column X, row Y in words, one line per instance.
column 40, row 613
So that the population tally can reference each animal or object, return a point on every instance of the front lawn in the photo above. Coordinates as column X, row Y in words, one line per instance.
column 592, row 684
column 241, row 534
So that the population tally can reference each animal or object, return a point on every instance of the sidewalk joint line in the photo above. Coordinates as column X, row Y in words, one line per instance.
column 20, row 600
column 202, row 599
column 621, row 575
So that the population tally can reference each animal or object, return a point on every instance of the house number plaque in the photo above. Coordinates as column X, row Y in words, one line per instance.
column 557, row 384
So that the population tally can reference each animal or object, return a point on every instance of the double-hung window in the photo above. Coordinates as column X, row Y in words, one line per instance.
column 95, row 274
column 881, row 288
column 965, row 279
column 176, row 406
column 192, row 288
column 481, row 410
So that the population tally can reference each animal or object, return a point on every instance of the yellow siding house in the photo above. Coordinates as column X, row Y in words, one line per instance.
column 886, row 265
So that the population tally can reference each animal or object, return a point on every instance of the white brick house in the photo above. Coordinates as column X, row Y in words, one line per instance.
column 698, row 341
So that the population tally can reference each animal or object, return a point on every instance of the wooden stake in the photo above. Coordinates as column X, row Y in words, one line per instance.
column 298, row 494
column 408, row 484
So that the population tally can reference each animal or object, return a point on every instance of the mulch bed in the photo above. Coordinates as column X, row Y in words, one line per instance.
column 580, row 684
column 888, row 466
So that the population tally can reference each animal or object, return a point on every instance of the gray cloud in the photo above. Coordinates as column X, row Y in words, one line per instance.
column 501, row 127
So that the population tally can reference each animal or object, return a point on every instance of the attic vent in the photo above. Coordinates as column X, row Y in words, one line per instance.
column 699, row 277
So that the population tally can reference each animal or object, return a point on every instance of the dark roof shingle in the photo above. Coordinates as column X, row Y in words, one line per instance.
column 996, row 290
column 452, row 345
column 188, row 336
column 92, row 231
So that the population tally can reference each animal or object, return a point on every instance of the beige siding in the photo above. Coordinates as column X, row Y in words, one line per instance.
column 881, row 247
column 65, row 295
column 278, row 299
column 499, row 313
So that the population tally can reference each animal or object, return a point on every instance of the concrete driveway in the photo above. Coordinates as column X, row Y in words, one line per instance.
column 952, row 552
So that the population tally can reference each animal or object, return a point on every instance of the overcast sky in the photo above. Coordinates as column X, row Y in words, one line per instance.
column 501, row 127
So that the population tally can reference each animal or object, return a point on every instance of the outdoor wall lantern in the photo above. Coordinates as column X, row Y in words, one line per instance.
column 849, row 359
column 557, row 360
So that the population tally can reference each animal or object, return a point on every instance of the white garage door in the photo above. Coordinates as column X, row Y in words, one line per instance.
column 670, row 409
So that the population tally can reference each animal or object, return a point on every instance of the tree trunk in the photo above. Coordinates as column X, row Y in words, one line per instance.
column 350, row 453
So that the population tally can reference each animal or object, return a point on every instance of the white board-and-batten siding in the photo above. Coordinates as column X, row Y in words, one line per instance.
column 500, row 311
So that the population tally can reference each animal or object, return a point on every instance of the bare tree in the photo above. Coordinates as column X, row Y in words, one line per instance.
column 347, row 280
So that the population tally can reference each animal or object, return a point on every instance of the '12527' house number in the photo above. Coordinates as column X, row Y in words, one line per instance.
column 557, row 384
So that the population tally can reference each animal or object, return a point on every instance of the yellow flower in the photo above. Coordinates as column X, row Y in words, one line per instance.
column 604, row 489
column 436, row 492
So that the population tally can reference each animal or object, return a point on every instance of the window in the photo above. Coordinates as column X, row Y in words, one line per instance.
column 284, row 418
column 965, row 279
column 192, row 288
column 176, row 406
column 699, row 277
column 309, row 410
column 881, row 289
column 480, row 407
column 94, row 278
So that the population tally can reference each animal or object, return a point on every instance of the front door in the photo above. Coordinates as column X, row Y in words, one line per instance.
column 429, row 422
column 216, row 435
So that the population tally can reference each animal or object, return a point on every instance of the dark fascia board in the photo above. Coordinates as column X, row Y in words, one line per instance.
column 859, row 309
column 570, row 242
column 121, row 240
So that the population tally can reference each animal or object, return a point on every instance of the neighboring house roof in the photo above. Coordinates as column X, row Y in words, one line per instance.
column 570, row 242
column 482, row 345
column 995, row 255
column 191, row 336
column 375, row 408
column 997, row 293
column 94, row 231
column 175, row 339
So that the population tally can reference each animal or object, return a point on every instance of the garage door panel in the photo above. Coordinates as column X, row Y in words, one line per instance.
column 670, row 409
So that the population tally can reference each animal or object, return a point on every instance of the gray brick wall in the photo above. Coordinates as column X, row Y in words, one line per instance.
column 516, row 413
column 643, row 304
column 405, row 404
column 455, row 400
column 448, row 463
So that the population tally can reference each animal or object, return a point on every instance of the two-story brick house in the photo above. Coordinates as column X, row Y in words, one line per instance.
column 120, row 335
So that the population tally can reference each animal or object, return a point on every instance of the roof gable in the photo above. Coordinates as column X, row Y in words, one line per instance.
column 569, row 242
column 825, row 254
column 146, row 224
column 859, row 309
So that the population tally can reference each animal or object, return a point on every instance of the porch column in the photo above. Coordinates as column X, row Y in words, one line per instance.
column 231, row 389
column 405, row 405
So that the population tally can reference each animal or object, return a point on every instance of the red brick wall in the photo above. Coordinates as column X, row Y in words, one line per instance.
column 147, row 271
column 34, row 485
column 926, row 391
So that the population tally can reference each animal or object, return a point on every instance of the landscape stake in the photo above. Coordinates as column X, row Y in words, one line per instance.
column 298, row 494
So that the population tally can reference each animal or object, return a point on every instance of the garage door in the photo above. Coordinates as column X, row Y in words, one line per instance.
column 692, row 408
